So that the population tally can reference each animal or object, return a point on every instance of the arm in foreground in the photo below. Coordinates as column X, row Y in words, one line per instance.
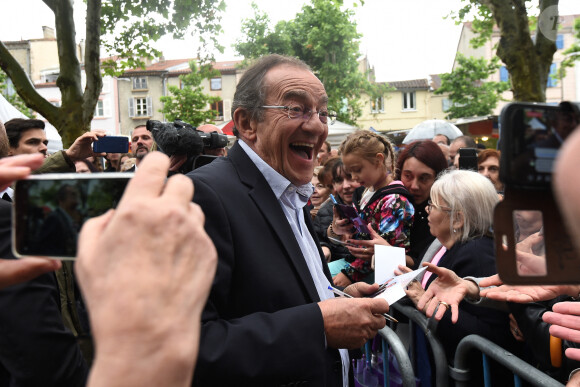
column 154, row 275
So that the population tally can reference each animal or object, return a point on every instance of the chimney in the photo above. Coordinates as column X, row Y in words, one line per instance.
column 48, row 32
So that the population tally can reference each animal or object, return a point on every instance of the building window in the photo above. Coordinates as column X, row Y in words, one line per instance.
column 102, row 109
column 378, row 105
column 215, row 84
column 409, row 100
column 139, row 83
column 218, row 107
column 553, row 76
column 140, row 107
column 504, row 75
column 99, row 109
column 446, row 104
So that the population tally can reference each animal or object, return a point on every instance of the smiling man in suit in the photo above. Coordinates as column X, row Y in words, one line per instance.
column 271, row 319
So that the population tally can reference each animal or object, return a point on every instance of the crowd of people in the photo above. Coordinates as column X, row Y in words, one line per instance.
column 235, row 287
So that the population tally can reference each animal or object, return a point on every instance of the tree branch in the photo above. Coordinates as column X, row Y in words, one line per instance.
column 92, row 58
column 69, row 80
column 51, row 4
column 23, row 86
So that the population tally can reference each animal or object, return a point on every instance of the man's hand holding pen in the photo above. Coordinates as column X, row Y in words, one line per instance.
column 350, row 321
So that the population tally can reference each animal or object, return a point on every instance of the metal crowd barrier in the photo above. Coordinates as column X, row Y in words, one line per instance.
column 461, row 374
column 428, row 326
column 392, row 341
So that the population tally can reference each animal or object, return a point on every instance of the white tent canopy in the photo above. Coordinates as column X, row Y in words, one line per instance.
column 338, row 132
column 8, row 112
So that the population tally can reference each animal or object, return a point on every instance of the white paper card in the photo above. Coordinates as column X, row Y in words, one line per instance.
column 387, row 260
column 393, row 293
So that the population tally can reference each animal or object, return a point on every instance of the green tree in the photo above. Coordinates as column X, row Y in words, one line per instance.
column 469, row 92
column 573, row 52
column 527, row 59
column 14, row 98
column 126, row 29
column 324, row 35
column 189, row 103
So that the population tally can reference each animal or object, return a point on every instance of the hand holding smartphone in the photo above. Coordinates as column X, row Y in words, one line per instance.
column 50, row 209
column 351, row 214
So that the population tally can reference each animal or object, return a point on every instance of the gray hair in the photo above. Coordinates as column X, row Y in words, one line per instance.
column 251, row 91
column 470, row 195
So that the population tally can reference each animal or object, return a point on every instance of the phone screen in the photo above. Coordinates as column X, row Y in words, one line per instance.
column 49, row 210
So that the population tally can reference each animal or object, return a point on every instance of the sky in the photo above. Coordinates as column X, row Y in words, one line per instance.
column 403, row 39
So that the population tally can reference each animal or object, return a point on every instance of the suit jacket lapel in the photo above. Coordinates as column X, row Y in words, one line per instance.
column 266, row 202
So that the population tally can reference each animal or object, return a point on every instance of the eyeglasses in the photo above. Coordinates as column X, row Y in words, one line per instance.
column 430, row 206
column 324, row 116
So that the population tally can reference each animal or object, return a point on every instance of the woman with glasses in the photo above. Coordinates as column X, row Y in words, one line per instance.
column 460, row 216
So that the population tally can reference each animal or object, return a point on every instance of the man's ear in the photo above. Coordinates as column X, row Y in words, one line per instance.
column 245, row 125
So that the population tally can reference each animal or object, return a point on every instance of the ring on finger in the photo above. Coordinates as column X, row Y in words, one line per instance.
column 446, row 305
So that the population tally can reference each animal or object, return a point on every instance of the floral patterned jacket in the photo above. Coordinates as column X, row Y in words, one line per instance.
column 391, row 215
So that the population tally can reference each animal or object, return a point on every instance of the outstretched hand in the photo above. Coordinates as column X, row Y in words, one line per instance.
column 447, row 288
column 522, row 294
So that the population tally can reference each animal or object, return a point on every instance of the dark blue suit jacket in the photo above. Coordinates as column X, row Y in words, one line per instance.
column 261, row 325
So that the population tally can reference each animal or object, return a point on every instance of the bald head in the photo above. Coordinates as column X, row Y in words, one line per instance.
column 209, row 128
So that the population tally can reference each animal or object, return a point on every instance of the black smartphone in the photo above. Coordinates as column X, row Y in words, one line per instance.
column 49, row 210
column 468, row 159
column 111, row 144
column 530, row 138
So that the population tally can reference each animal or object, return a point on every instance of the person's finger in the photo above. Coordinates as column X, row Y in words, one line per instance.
column 494, row 280
column 379, row 306
column 441, row 309
column 179, row 188
column 573, row 353
column 565, row 333
column 567, row 307
column 32, row 161
column 149, row 178
column 14, row 271
column 434, row 269
column 454, row 313
column 87, row 237
column 564, row 320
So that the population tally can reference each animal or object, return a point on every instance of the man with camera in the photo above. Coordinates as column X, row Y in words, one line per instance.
column 271, row 318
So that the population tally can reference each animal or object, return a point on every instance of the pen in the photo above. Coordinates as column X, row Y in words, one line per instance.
column 343, row 294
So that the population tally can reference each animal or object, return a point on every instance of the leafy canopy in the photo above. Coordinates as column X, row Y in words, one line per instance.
column 470, row 94
column 189, row 103
column 324, row 35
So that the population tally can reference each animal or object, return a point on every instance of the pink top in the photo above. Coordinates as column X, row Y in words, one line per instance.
column 434, row 261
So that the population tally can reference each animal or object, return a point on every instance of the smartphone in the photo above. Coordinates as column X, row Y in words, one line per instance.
column 111, row 144
column 49, row 210
column 468, row 159
column 530, row 138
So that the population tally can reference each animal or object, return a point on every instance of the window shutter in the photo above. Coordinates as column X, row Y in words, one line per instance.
column 227, row 110
column 552, row 76
column 504, row 75
column 560, row 42
column 131, row 107
column 149, row 107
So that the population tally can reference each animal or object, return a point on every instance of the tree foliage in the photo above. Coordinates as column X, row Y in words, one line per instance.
column 13, row 98
column 470, row 94
column 324, row 35
column 127, row 30
column 572, row 53
column 189, row 103
column 527, row 59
